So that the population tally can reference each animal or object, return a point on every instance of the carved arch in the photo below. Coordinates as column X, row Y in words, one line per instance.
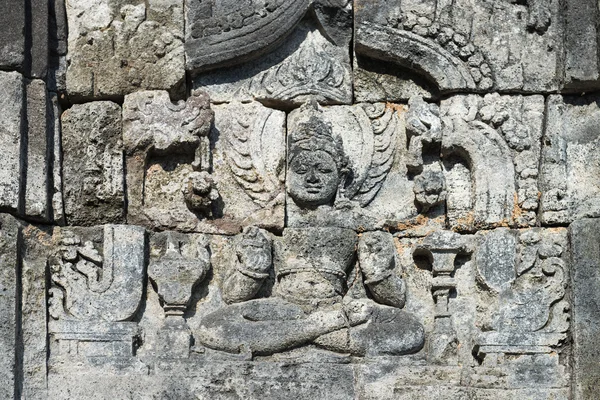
column 423, row 56
column 492, row 171
column 241, row 35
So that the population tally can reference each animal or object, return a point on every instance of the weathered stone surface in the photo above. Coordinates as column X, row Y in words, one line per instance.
column 380, row 81
column 30, row 149
column 219, row 381
column 112, row 261
column 58, row 36
column 582, row 70
column 491, row 151
column 35, row 249
column 55, row 139
column 352, row 199
column 178, row 264
column 118, row 47
column 39, row 36
column 585, row 278
column 308, row 65
column 12, row 34
column 226, row 32
column 570, row 166
column 11, row 102
column 153, row 129
column 248, row 160
column 39, row 152
column 97, row 279
column 9, row 306
column 93, row 170
column 466, row 45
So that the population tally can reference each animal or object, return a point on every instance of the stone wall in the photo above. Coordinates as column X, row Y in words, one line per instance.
column 317, row 199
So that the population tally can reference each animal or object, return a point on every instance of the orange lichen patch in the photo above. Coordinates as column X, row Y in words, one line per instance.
column 41, row 237
column 517, row 210
column 465, row 223
column 420, row 220
column 156, row 168
column 556, row 229
column 399, row 108
column 228, row 225
column 400, row 247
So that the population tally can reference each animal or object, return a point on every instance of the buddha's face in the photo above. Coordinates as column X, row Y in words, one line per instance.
column 313, row 178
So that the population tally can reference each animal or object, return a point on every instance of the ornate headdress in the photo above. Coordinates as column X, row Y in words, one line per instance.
column 313, row 132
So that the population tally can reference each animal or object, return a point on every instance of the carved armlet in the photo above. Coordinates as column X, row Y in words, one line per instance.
column 252, row 274
column 378, row 278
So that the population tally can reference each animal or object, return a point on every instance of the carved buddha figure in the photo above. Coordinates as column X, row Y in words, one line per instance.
column 315, row 271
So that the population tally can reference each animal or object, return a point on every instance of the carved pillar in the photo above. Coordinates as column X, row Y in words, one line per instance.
column 179, row 262
column 441, row 248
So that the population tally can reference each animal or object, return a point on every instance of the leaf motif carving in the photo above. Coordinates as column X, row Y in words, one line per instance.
column 245, row 156
column 384, row 122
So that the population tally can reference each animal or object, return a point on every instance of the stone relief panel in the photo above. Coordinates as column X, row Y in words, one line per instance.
column 97, row 278
column 474, row 46
column 366, row 173
column 30, row 181
column 219, row 32
column 491, row 149
column 167, row 155
column 119, row 47
column 189, row 173
column 319, row 199
column 312, row 62
column 93, row 163
column 528, row 312
column 570, row 165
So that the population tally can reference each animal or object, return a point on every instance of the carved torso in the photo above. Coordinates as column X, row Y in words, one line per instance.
column 312, row 264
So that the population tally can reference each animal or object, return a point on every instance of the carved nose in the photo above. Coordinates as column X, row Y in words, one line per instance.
column 312, row 177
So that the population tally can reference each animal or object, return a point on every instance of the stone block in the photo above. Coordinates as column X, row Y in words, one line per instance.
column 93, row 167
column 372, row 189
column 55, row 137
column 466, row 45
column 570, row 161
column 585, row 279
column 491, row 151
column 58, row 36
column 582, row 70
column 97, row 276
column 380, row 81
column 218, row 381
column 29, row 148
column 39, row 14
column 12, row 34
column 308, row 64
column 122, row 46
column 248, row 163
column 167, row 148
column 9, row 306
column 11, row 101
column 40, row 150
column 190, row 179
column 34, row 310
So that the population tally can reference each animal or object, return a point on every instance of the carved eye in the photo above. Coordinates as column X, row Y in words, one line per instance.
column 301, row 169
